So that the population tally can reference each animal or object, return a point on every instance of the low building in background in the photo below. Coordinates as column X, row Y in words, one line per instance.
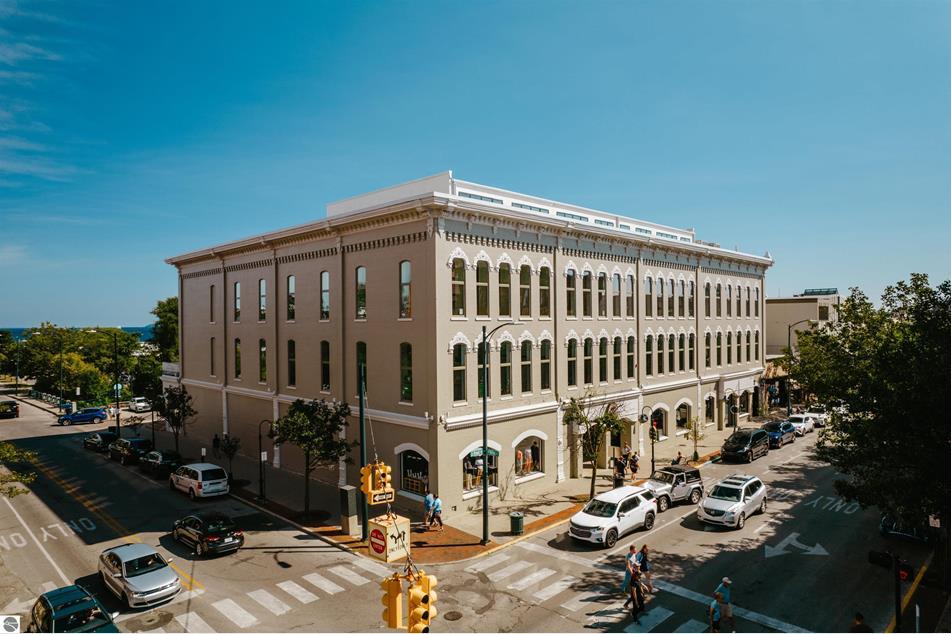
column 817, row 305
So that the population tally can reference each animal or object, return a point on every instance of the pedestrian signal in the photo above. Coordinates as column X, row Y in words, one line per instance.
column 392, row 602
column 905, row 571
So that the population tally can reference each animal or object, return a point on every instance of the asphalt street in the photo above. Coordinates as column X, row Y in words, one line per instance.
column 800, row 567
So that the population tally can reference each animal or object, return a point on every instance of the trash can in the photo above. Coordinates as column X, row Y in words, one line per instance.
column 517, row 521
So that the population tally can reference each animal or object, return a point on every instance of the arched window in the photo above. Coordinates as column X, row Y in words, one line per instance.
column 629, row 299
column 602, row 295
column 630, row 357
column 572, row 362
column 362, row 364
column 648, row 297
column 458, row 287
column 544, row 292
column 586, row 293
column 262, row 360
column 414, row 472
column 719, row 348
column 682, row 415
column 361, row 292
column 649, row 355
column 603, row 359
column 406, row 289
column 681, row 351
column 739, row 300
column 474, row 465
column 545, row 365
column 616, row 359
column 291, row 363
column 406, row 372
column 670, row 298
column 528, row 456
column 756, row 346
column 681, row 292
column 324, row 295
column 526, row 367
column 525, row 291
column 480, row 365
column 262, row 300
column 505, row 368
column 756, row 305
column 710, row 409
column 719, row 300
column 748, row 339
column 291, row 297
column 706, row 299
column 571, row 290
column 739, row 349
column 237, row 358
column 692, row 298
column 505, row 290
column 660, row 297
column 588, row 363
column 729, row 300
column 616, row 295
column 747, row 305
column 660, row 354
column 459, row 372
column 659, row 422
column 707, row 347
column 671, row 353
column 691, row 351
column 237, row 301
column 729, row 347
column 482, row 288
column 325, row 366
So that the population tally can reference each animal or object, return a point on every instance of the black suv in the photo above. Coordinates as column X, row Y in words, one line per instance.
column 9, row 409
column 127, row 450
column 160, row 463
column 99, row 441
column 746, row 444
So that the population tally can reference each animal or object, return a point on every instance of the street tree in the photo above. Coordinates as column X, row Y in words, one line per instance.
column 176, row 408
column 165, row 329
column 229, row 447
column 695, row 434
column 591, row 423
column 882, row 372
column 12, row 479
column 147, row 382
column 315, row 427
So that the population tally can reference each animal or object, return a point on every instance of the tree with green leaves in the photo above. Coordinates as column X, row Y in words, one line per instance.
column 147, row 382
column 176, row 408
column 315, row 428
column 695, row 434
column 883, row 374
column 12, row 478
column 165, row 329
column 591, row 422
column 229, row 447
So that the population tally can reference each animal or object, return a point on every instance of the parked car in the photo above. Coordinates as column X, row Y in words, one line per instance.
column 139, row 404
column 9, row 409
column 160, row 463
column 804, row 423
column 99, row 441
column 138, row 574
column 745, row 444
column 819, row 415
column 127, row 450
column 612, row 513
column 675, row 484
column 732, row 500
column 200, row 480
column 892, row 527
column 208, row 532
column 780, row 432
column 70, row 609
column 85, row 415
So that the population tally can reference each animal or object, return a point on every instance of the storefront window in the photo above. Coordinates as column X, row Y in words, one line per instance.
column 414, row 472
column 474, row 467
column 528, row 457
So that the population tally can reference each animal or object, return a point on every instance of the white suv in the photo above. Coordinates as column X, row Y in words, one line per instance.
column 732, row 500
column 818, row 412
column 612, row 513
column 804, row 423
column 199, row 480
column 139, row 404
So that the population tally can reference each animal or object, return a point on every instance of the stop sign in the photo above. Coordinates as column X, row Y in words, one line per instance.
column 377, row 541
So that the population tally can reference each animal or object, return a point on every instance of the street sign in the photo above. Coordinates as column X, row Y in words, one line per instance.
column 477, row 453
column 117, row 387
column 377, row 541
column 263, row 456
column 383, row 496
column 202, row 452
column 77, row 390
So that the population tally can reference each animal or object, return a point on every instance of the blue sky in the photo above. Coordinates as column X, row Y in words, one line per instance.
column 132, row 131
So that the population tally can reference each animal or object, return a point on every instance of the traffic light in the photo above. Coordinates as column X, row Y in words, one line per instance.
column 905, row 571
column 366, row 479
column 392, row 601
column 384, row 479
column 653, row 433
column 421, row 600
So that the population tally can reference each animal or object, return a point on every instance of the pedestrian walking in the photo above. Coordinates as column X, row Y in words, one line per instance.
column 678, row 460
column 428, row 503
column 643, row 562
column 637, row 596
column 724, row 590
column 858, row 624
column 632, row 465
column 436, row 515
column 629, row 563
column 713, row 613
column 215, row 445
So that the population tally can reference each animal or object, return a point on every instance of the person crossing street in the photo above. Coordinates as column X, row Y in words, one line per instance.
column 724, row 590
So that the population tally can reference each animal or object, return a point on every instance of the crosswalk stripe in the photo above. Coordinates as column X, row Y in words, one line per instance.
column 371, row 566
column 348, row 575
column 185, row 595
column 157, row 630
column 564, row 556
column 749, row 615
column 488, row 562
column 585, row 598
column 649, row 620
column 298, row 592
column 692, row 626
column 531, row 579
column 556, row 588
column 191, row 622
column 48, row 586
column 509, row 570
column 323, row 583
column 235, row 613
column 269, row 601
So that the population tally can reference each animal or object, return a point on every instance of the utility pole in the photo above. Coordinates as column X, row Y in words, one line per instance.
column 364, row 507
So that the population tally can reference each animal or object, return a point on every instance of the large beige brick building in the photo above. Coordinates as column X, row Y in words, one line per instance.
column 403, row 279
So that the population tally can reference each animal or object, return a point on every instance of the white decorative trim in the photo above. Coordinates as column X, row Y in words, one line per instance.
column 407, row 446
column 588, row 334
column 209, row 385
column 649, row 332
column 499, row 415
column 526, row 336
column 482, row 256
column 543, row 263
column 529, row 433
column 602, row 334
column 663, row 406
column 632, row 333
column 617, row 333
column 571, row 266
column 682, row 401
column 477, row 444
column 630, row 272
column 616, row 270
column 460, row 338
column 503, row 259
column 602, row 268
column 571, row 335
column 525, row 260
column 710, row 394
column 545, row 335
column 648, row 273
column 458, row 253
column 586, row 268
column 505, row 336
column 529, row 477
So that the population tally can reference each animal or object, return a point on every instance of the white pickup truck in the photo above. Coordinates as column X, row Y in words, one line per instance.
column 139, row 404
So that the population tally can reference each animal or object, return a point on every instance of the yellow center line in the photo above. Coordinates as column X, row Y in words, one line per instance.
column 126, row 535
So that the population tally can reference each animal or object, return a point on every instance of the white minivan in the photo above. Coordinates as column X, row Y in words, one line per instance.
column 199, row 480
column 611, row 514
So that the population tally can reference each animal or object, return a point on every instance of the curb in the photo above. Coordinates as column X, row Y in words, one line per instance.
column 42, row 407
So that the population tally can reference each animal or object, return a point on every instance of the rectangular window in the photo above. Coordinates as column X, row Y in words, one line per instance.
column 649, row 355
column 237, row 358
column 406, row 290
column 459, row 373
column 756, row 346
column 486, row 199
column 671, row 341
column 361, row 292
column 756, row 304
column 291, row 363
column 691, row 350
column 262, row 300
column 670, row 298
column 481, row 366
column 643, row 231
column 706, row 299
column 525, row 291
column 739, row 349
column 545, row 365
column 406, row 372
column 362, row 365
column 237, row 301
column 291, row 297
column 603, row 223
column 325, row 366
column 262, row 360
column 660, row 297
column 588, row 361
column 571, row 298
column 526, row 367
column 748, row 340
column 572, row 362
column 570, row 216
column 211, row 303
column 505, row 368
column 719, row 301
column 692, row 299
column 586, row 293
column 602, row 295
column 747, row 301
column 719, row 348
column 616, row 359
column 603, row 359
column 482, row 288
column 729, row 300
column 706, row 348
column 823, row 312
column 681, row 351
column 211, row 357
column 324, row 295
column 630, row 296
column 458, row 287
column 660, row 354
column 505, row 290
column 544, row 292
column 729, row 348
column 616, row 295
column 540, row 210
column 738, row 301
column 630, row 357
column 681, row 292
column 648, row 297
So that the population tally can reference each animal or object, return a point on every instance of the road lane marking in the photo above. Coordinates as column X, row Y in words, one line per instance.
column 235, row 613
column 622, row 547
column 556, row 588
column 587, row 598
column 749, row 615
column 765, row 524
column 649, row 620
column 323, row 583
column 345, row 573
column 563, row 555
column 692, row 627
column 38, row 544
column 270, row 602
column 191, row 622
column 47, row 586
column 509, row 570
column 482, row 564
column 298, row 592
column 159, row 630
column 188, row 595
column 372, row 567
column 531, row 579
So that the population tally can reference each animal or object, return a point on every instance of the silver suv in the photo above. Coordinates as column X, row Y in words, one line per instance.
column 674, row 484
column 732, row 500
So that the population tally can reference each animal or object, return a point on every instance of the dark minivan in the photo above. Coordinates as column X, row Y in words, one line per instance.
column 745, row 444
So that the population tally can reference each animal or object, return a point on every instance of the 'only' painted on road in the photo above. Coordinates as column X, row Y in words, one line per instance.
column 13, row 540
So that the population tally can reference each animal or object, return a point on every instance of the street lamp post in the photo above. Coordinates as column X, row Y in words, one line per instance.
column 645, row 418
column 261, row 469
column 789, row 347
column 485, row 426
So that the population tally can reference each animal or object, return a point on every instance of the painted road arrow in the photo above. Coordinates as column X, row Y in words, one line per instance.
column 17, row 607
column 790, row 540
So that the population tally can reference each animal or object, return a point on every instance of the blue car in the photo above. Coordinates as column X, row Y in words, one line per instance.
column 70, row 609
column 85, row 415
column 780, row 432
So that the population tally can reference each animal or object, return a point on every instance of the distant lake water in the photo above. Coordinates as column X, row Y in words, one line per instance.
column 144, row 332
